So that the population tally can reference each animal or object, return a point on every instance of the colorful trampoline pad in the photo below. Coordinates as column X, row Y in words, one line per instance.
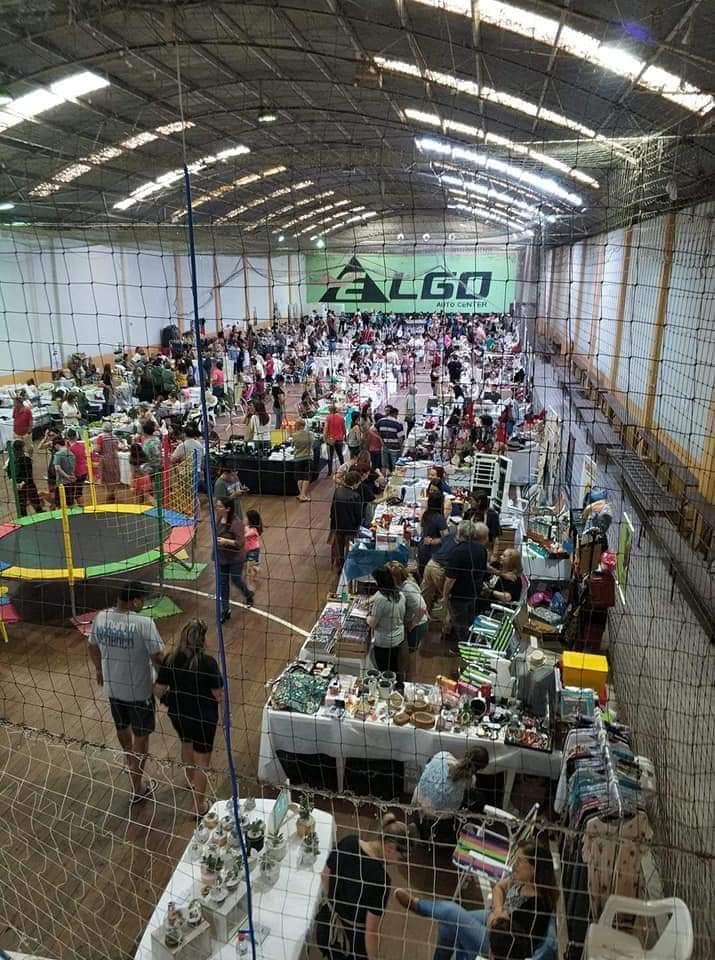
column 108, row 540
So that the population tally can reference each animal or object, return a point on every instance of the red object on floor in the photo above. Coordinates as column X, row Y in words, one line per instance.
column 84, row 622
column 178, row 538
column 8, row 613
column 6, row 528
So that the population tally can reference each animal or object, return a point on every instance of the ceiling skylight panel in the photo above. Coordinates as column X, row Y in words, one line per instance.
column 472, row 89
column 237, row 184
column 453, row 126
column 517, row 174
column 37, row 102
column 584, row 46
column 172, row 176
column 138, row 140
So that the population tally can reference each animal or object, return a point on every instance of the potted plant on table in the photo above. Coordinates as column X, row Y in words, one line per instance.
column 310, row 849
column 305, row 824
column 211, row 865
column 277, row 845
column 255, row 835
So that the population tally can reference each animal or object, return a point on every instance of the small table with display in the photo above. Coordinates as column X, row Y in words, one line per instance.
column 284, row 911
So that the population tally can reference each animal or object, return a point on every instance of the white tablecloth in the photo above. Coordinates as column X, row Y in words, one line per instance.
column 346, row 738
column 287, row 908
column 6, row 433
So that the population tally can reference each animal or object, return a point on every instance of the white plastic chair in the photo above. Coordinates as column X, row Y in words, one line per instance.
column 604, row 942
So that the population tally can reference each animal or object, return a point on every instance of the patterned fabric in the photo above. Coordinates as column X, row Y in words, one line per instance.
column 300, row 692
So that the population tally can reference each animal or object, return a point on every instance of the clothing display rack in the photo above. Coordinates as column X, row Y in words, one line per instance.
column 602, row 794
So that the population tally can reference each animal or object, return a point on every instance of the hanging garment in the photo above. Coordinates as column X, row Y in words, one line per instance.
column 612, row 850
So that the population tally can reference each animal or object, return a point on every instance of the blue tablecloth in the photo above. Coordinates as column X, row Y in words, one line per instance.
column 361, row 563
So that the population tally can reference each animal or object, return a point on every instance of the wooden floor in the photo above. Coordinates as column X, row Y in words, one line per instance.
column 79, row 878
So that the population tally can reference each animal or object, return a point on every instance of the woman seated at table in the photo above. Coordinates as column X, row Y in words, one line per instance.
column 356, row 888
column 507, row 586
column 521, row 913
column 480, row 511
column 443, row 784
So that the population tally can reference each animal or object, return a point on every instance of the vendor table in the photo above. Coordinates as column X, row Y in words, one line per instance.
column 349, row 738
column 537, row 567
column 287, row 908
column 270, row 477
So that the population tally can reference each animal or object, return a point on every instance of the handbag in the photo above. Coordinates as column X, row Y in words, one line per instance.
column 324, row 453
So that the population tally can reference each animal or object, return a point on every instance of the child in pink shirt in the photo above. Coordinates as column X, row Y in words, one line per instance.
column 252, row 546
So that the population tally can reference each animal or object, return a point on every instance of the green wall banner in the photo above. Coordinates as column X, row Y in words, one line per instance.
column 421, row 282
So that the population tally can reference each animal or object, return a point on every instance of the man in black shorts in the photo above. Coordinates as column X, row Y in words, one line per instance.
column 124, row 646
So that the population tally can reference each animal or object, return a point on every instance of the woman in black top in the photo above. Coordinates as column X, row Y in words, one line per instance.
column 230, row 537
column 279, row 399
column 433, row 526
column 480, row 512
column 356, row 888
column 190, row 683
column 107, row 391
column 508, row 585
column 19, row 469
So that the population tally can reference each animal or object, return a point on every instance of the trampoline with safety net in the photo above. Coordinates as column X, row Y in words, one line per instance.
column 91, row 542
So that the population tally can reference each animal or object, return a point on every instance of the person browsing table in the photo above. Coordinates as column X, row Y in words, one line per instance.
column 466, row 573
column 124, row 647
column 230, row 538
column 334, row 436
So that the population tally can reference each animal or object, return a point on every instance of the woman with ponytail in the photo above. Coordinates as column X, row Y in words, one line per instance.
column 190, row 684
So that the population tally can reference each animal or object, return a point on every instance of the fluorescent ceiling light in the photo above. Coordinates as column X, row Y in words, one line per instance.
column 104, row 155
column 453, row 126
column 507, row 100
column 39, row 101
column 517, row 174
column 584, row 46
column 7, row 205
column 172, row 176
column 320, row 242
column 472, row 182
column 267, row 117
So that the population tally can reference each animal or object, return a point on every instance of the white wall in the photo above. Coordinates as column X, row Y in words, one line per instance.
column 579, row 296
column 59, row 296
column 237, row 288
column 686, row 371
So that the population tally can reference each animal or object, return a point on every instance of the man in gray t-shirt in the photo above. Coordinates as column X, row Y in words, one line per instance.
column 124, row 647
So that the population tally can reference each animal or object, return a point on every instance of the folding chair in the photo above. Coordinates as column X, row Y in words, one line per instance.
column 486, row 855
